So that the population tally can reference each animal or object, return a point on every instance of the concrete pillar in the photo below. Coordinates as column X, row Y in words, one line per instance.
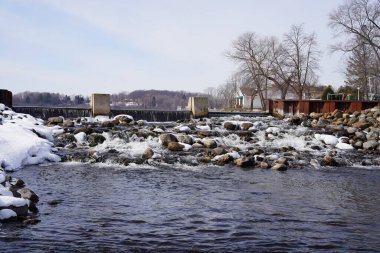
column 198, row 106
column 6, row 98
column 100, row 104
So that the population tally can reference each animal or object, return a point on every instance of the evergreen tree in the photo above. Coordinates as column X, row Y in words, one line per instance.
column 326, row 91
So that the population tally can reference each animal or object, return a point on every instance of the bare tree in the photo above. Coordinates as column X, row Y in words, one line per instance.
column 227, row 92
column 303, row 54
column 252, row 54
column 357, row 19
column 280, row 68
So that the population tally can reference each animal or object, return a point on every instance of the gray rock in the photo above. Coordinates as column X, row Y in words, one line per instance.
column 197, row 145
column 351, row 130
column 68, row 123
column 246, row 125
column 329, row 161
column 230, row 126
column 87, row 130
column 360, row 136
column 218, row 151
column 264, row 165
column 244, row 162
column 167, row 138
column 322, row 122
column 175, row 146
column 95, row 139
column 373, row 136
column 370, row 145
column 280, row 167
column 28, row 194
column 148, row 153
column 55, row 120
column 224, row 159
column 107, row 124
column 210, row 143
column 125, row 119
column 184, row 138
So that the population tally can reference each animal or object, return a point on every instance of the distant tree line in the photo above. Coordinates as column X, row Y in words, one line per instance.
column 152, row 99
column 142, row 99
column 28, row 98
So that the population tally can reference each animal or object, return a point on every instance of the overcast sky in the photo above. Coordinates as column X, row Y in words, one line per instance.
column 87, row 46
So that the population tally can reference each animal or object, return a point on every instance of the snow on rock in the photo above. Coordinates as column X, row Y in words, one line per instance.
column 344, row 146
column 6, row 201
column 80, row 137
column 5, row 192
column 183, row 129
column 234, row 155
column 25, row 140
column 158, row 130
column 203, row 128
column 272, row 130
column 187, row 147
column 327, row 139
column 7, row 214
column 123, row 116
column 20, row 146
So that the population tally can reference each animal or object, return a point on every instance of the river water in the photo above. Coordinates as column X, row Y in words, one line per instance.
column 87, row 208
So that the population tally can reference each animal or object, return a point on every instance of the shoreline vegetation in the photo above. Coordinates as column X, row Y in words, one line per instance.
column 336, row 139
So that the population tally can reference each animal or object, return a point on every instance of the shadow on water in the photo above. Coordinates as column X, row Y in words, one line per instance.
column 224, row 209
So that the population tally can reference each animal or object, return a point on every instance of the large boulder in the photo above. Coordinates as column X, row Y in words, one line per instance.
column 209, row 143
column 107, row 124
column 95, row 139
column 361, row 125
column 372, row 136
column 370, row 145
column 219, row 151
column 246, row 125
column 27, row 193
column 68, row 123
column 148, row 153
column 223, row 159
column 230, row 126
column 328, row 160
column 184, row 138
column 167, row 138
column 245, row 162
column 55, row 120
column 175, row 146
column 86, row 129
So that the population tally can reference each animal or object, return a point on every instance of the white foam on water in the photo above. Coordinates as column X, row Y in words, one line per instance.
column 234, row 140
column 134, row 148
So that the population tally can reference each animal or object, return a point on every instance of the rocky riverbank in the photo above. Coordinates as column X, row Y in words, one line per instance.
column 16, row 201
column 333, row 139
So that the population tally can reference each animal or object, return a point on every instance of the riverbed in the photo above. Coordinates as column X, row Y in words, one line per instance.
column 109, row 208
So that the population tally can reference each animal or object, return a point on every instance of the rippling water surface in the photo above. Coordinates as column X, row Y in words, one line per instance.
column 218, row 209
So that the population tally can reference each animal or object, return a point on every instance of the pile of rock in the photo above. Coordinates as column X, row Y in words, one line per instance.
column 361, row 129
column 16, row 201
column 252, row 143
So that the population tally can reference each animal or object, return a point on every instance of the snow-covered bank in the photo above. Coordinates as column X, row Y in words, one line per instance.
column 24, row 140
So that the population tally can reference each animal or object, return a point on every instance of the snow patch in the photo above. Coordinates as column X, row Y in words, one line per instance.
column 7, row 214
